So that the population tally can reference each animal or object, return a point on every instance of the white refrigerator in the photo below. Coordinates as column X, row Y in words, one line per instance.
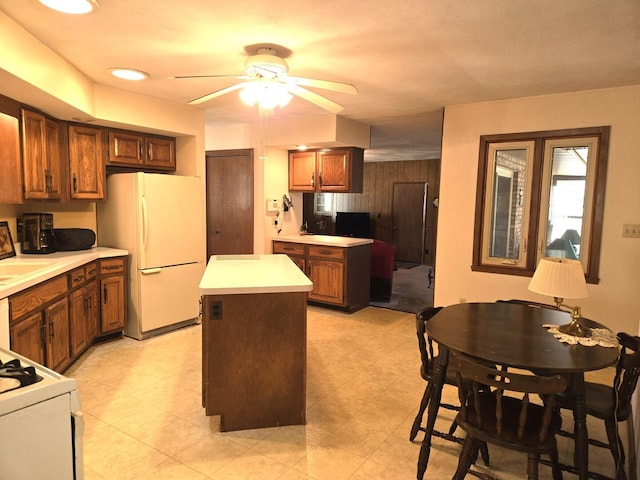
column 159, row 219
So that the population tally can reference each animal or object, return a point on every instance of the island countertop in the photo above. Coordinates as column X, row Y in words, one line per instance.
column 326, row 240
column 240, row 274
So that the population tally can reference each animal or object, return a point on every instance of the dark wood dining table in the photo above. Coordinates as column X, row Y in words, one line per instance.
column 513, row 335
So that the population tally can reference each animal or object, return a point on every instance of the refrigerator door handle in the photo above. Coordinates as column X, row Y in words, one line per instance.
column 145, row 225
column 150, row 271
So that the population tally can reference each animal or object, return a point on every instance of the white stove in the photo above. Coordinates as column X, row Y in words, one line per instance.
column 39, row 411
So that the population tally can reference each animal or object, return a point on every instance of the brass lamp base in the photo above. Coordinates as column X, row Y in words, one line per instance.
column 575, row 329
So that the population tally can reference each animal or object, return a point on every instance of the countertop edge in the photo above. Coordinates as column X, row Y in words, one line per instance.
column 324, row 240
column 61, row 262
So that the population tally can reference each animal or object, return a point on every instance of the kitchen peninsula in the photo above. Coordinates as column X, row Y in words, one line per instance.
column 254, row 335
column 339, row 267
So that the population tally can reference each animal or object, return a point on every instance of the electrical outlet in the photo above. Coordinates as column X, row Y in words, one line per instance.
column 631, row 230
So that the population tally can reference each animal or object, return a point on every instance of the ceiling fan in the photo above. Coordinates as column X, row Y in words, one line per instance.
column 266, row 82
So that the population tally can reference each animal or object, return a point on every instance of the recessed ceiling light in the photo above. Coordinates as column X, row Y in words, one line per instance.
column 128, row 73
column 72, row 6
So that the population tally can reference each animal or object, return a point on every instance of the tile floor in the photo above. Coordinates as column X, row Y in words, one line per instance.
column 144, row 419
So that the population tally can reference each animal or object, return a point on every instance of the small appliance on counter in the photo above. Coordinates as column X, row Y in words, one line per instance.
column 37, row 233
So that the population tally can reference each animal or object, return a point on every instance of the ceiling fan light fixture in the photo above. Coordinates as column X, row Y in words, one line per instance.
column 268, row 95
column 74, row 7
column 128, row 73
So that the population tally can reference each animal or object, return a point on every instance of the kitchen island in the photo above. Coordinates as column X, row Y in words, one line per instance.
column 254, row 335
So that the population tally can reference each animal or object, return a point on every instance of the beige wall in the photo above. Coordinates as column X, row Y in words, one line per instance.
column 615, row 301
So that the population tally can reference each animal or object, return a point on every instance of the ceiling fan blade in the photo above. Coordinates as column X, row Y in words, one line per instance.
column 316, row 99
column 324, row 84
column 217, row 93
column 239, row 77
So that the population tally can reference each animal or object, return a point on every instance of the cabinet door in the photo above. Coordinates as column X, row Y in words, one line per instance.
column 160, row 152
column 112, row 303
column 328, row 280
column 125, row 148
column 86, row 169
column 27, row 338
column 41, row 156
column 333, row 171
column 91, row 297
column 57, row 321
column 302, row 171
column 10, row 162
column 77, row 310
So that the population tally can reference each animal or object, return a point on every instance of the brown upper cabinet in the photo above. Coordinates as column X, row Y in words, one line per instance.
column 86, row 167
column 134, row 149
column 10, row 163
column 41, row 156
column 327, row 170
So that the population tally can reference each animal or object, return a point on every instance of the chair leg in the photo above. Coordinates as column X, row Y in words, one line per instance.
column 617, row 450
column 631, row 445
column 556, row 472
column 424, row 403
column 532, row 466
column 467, row 456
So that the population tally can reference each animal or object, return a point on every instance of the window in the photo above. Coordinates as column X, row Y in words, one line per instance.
column 540, row 194
column 323, row 204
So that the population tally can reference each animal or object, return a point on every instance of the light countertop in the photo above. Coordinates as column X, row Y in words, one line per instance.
column 325, row 240
column 53, row 264
column 242, row 274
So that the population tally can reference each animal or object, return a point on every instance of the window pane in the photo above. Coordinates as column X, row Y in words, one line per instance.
column 507, row 207
column 565, row 226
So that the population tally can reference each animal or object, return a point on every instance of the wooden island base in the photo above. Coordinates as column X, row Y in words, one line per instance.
column 254, row 359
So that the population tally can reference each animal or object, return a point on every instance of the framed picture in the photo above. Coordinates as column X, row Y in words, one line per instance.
column 6, row 243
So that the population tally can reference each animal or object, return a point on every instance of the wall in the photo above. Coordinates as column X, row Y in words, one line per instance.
column 377, row 199
column 615, row 300
column 26, row 69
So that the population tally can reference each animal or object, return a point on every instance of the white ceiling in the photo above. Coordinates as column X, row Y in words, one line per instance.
column 408, row 58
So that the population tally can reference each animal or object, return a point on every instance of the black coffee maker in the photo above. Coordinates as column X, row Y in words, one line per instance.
column 37, row 233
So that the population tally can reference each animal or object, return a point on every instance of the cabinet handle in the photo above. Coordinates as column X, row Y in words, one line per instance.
column 141, row 151
column 110, row 267
column 51, row 329
column 104, row 295
column 149, row 152
column 320, row 180
column 75, row 183
column 312, row 179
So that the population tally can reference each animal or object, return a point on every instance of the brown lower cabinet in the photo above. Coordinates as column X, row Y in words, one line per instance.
column 53, row 322
column 340, row 275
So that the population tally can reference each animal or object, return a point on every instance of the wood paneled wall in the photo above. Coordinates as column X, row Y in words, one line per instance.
column 377, row 199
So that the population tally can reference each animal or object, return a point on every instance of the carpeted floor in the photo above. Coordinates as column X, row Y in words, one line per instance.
column 411, row 291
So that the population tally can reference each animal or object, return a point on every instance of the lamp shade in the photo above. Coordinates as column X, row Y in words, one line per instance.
column 559, row 278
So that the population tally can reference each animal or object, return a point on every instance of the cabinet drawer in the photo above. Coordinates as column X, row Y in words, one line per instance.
column 90, row 271
column 319, row 251
column 33, row 298
column 288, row 248
column 111, row 265
column 76, row 277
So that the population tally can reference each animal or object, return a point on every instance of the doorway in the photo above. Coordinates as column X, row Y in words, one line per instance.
column 409, row 217
column 229, row 202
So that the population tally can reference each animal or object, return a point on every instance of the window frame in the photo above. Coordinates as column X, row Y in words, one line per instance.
column 537, row 206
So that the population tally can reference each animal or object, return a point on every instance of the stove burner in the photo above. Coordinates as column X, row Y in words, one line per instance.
column 15, row 371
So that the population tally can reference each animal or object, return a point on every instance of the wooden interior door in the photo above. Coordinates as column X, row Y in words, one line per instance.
column 409, row 217
column 229, row 202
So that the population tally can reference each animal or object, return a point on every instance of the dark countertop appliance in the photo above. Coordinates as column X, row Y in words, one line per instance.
column 37, row 233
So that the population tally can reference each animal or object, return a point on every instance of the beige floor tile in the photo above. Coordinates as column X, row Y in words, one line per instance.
column 144, row 417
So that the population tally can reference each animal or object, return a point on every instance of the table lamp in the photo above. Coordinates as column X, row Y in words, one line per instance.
column 562, row 278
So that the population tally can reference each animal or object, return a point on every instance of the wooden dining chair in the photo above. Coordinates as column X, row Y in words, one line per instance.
column 505, row 414
column 427, row 370
column 612, row 403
